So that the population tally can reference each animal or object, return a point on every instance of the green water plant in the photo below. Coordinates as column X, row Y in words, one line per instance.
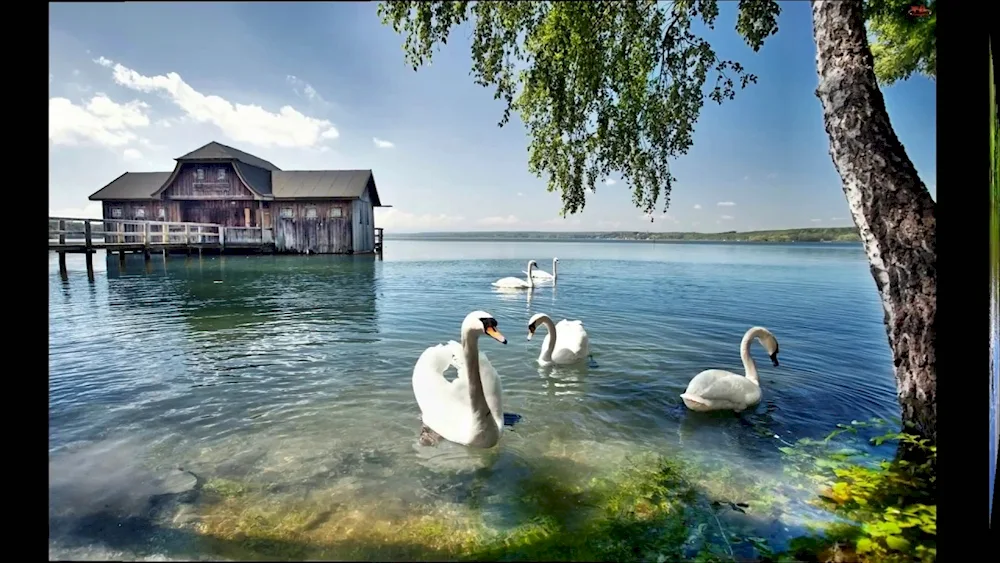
column 886, row 509
column 652, row 509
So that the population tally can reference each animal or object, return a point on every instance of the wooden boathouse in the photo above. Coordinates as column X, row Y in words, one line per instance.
column 248, row 201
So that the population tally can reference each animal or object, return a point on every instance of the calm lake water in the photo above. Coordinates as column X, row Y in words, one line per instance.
column 291, row 376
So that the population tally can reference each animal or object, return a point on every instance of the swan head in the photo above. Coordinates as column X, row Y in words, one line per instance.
column 481, row 322
column 770, row 343
column 532, row 263
column 533, row 323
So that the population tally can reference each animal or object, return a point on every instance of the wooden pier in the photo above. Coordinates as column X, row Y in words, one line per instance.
column 86, row 236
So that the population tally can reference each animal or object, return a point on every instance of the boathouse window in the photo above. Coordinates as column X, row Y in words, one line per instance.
column 310, row 213
column 222, row 174
column 116, row 212
column 200, row 174
column 161, row 213
column 336, row 212
column 287, row 213
column 140, row 212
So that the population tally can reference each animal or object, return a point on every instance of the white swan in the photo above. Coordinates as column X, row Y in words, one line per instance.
column 467, row 410
column 716, row 389
column 517, row 283
column 545, row 276
column 565, row 343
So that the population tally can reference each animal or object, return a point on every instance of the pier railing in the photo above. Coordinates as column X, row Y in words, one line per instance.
column 66, row 232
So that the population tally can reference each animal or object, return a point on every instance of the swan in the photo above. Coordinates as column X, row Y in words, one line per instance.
column 517, row 283
column 467, row 410
column 543, row 275
column 716, row 389
column 565, row 343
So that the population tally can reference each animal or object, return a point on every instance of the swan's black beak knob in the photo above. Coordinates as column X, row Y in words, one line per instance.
column 774, row 359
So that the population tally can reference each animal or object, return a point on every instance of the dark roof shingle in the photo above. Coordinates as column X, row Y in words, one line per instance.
column 218, row 151
column 131, row 185
column 321, row 184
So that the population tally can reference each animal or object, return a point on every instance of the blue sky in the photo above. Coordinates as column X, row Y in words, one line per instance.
column 324, row 86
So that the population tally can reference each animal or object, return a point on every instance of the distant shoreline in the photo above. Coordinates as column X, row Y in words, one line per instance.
column 839, row 234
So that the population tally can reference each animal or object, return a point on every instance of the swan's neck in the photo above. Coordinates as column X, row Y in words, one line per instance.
column 555, row 269
column 531, row 282
column 748, row 364
column 481, row 410
column 547, row 352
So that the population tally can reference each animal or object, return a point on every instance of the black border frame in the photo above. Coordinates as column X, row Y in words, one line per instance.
column 963, row 310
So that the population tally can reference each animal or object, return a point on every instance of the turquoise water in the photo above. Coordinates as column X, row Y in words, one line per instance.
column 294, row 374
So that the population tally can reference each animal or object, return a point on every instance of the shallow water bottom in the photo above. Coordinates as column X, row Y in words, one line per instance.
column 567, row 499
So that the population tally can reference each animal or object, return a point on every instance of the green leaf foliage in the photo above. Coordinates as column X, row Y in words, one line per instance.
column 600, row 86
column 900, row 42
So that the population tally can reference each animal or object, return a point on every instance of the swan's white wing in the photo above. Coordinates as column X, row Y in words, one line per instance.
column 510, row 282
column 537, row 273
column 445, row 406
column 721, row 385
column 572, row 341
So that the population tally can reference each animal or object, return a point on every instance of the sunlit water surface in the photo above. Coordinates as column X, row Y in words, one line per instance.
column 293, row 374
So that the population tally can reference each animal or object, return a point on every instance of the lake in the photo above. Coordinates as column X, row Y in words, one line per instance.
column 196, row 402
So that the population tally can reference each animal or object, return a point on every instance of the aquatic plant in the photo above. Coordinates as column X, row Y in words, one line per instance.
column 888, row 509
column 649, row 510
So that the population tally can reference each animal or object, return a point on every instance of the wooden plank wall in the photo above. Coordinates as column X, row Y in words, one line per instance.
column 186, row 184
column 322, row 235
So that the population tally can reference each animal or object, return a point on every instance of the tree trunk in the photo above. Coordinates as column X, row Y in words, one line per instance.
column 890, row 205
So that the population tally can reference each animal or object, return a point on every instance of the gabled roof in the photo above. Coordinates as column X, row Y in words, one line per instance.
column 132, row 185
column 299, row 184
column 218, row 151
column 262, row 177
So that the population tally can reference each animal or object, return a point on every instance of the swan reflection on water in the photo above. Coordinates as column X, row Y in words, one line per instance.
column 563, row 381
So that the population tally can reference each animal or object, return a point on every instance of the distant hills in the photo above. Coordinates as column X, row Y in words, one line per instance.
column 839, row 234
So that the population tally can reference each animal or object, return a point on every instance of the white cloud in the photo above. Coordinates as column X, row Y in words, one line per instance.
column 608, row 224
column 394, row 219
column 815, row 220
column 92, row 210
column 836, row 218
column 653, row 217
column 132, row 154
column 610, row 182
column 76, row 72
column 244, row 123
column 726, row 203
column 772, row 175
column 520, row 194
column 725, row 217
column 561, row 222
column 382, row 144
column 304, row 89
column 496, row 221
column 697, row 206
column 746, row 178
column 102, row 121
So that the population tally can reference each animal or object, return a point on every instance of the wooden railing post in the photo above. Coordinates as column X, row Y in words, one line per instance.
column 222, row 236
column 187, row 234
column 145, row 233
column 62, row 232
column 120, row 229
column 87, row 242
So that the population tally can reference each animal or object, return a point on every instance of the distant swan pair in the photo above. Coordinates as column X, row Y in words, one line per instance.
column 511, row 282
column 468, row 410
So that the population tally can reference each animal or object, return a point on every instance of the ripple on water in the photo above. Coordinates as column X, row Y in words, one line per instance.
column 295, row 374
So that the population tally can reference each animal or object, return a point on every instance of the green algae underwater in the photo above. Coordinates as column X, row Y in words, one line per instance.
column 651, row 508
